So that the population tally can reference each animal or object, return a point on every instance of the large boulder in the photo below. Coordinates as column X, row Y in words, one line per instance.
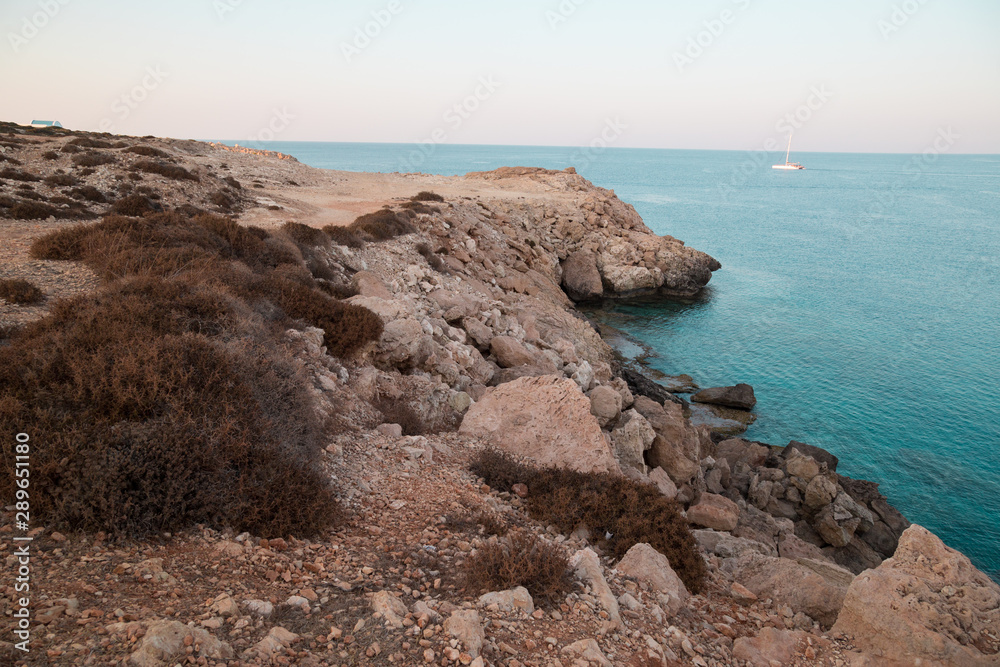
column 544, row 418
column 605, row 404
column 631, row 438
column 165, row 643
column 714, row 512
column 678, row 447
column 581, row 280
column 927, row 603
column 814, row 588
column 821, row 455
column 772, row 647
column 648, row 565
column 466, row 626
column 740, row 397
column 510, row 353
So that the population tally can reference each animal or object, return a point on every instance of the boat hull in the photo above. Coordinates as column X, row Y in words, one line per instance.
column 788, row 167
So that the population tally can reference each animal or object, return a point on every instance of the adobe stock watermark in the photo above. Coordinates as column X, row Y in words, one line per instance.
column 454, row 118
column 225, row 7
column 124, row 106
column 714, row 29
column 613, row 130
column 900, row 16
column 365, row 35
column 563, row 13
column 793, row 120
column 33, row 24
column 281, row 120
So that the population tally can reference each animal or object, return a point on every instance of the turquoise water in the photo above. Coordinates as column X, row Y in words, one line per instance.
column 860, row 298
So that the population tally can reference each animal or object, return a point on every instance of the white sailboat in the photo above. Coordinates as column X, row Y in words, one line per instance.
column 788, row 165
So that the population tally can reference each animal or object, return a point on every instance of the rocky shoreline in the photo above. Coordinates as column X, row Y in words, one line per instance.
column 482, row 345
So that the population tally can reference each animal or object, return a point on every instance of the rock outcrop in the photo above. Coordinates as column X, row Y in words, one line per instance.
column 926, row 603
column 543, row 418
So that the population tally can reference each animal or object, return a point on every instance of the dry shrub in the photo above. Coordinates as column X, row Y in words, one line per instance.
column 93, row 159
column 155, row 405
column 630, row 512
column 147, row 151
column 382, row 225
column 89, row 193
column 520, row 559
column 400, row 412
column 71, row 149
column 418, row 207
column 427, row 196
column 171, row 171
column 61, row 180
column 135, row 205
column 88, row 142
column 20, row 292
column 18, row 175
column 48, row 155
column 432, row 258
column 306, row 235
column 344, row 237
column 32, row 210
column 222, row 200
column 347, row 328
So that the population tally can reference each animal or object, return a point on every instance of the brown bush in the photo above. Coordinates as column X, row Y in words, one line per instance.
column 87, row 171
column 70, row 148
column 92, row 159
column 418, row 207
column 147, row 151
column 88, row 142
column 400, row 412
column 520, row 559
column 89, row 193
column 32, row 210
column 346, row 327
column 382, row 225
column 427, row 196
column 222, row 200
column 20, row 292
column 18, row 175
column 48, row 155
column 306, row 235
column 135, row 205
column 144, row 419
column 61, row 180
column 628, row 511
column 343, row 236
column 171, row 171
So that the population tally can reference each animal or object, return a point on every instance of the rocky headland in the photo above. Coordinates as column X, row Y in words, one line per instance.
column 480, row 346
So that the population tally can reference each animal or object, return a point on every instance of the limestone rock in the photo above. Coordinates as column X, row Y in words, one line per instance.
column 632, row 437
column 726, row 545
column 588, row 569
column 544, row 418
column 589, row 650
column 819, row 454
column 605, row 404
column 715, row 512
column 277, row 639
column 740, row 397
column 928, row 602
column 466, row 626
column 510, row 353
column 581, row 280
column 661, row 479
column 164, row 645
column 392, row 608
column 508, row 601
column 647, row 564
column 369, row 284
column 769, row 647
column 678, row 445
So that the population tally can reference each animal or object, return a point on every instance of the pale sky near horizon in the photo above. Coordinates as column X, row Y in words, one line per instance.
column 881, row 75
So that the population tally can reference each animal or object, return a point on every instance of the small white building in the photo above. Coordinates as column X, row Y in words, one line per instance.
column 45, row 123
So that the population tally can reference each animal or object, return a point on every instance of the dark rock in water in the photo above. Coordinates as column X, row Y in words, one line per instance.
column 581, row 280
column 643, row 386
column 740, row 397
column 721, row 420
column 679, row 384
column 855, row 556
column 821, row 455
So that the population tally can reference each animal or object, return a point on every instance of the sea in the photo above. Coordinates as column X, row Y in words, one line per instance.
column 860, row 297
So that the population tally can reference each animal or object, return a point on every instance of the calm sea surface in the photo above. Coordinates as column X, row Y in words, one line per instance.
column 859, row 297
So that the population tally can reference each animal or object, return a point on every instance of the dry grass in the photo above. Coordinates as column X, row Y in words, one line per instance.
column 93, row 159
column 20, row 292
column 628, row 511
column 171, row 171
column 344, row 237
column 427, row 196
column 382, row 225
column 520, row 559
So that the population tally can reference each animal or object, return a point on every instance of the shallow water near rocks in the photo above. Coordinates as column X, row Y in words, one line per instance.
column 860, row 298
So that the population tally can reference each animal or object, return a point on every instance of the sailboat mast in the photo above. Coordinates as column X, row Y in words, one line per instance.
column 789, row 151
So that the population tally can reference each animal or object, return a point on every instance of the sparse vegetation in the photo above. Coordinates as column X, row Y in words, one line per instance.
column 382, row 225
column 18, row 175
column 32, row 210
column 50, row 155
column 344, row 237
column 171, row 171
column 135, row 205
column 427, row 196
column 89, row 193
column 20, row 292
column 93, row 159
column 147, row 151
column 306, row 235
column 88, row 142
column 628, row 511
column 520, row 559
column 61, row 180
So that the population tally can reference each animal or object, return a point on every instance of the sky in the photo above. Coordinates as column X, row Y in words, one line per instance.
column 866, row 76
